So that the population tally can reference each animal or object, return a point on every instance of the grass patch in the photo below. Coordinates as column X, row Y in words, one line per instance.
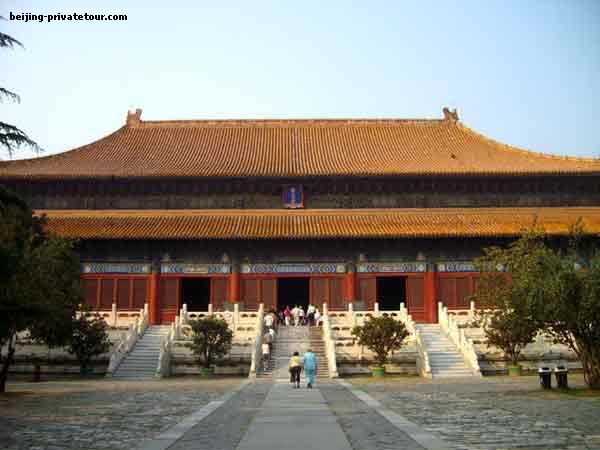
column 578, row 392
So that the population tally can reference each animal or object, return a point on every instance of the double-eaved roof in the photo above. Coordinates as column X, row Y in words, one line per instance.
column 318, row 223
column 293, row 148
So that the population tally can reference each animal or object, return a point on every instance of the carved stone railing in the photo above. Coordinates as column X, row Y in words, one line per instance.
column 329, row 344
column 423, row 367
column 256, row 350
column 163, row 369
column 450, row 326
column 128, row 340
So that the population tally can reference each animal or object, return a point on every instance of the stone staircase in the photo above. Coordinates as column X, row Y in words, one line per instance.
column 289, row 340
column 142, row 361
column 444, row 358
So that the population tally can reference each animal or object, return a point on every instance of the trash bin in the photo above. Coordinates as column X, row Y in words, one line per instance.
column 545, row 377
column 561, row 372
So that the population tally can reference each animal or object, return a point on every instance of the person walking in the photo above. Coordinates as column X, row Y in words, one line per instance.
column 302, row 315
column 269, row 320
column 318, row 317
column 310, row 313
column 295, row 366
column 310, row 368
column 266, row 356
column 287, row 313
column 296, row 314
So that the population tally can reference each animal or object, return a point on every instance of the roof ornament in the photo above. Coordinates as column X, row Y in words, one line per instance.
column 449, row 115
column 134, row 117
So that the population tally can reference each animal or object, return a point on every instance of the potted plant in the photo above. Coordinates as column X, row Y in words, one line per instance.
column 211, row 340
column 381, row 335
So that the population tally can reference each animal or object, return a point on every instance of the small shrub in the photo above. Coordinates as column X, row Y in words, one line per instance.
column 381, row 335
column 211, row 339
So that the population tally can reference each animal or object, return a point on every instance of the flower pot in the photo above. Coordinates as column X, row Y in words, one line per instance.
column 378, row 371
column 515, row 370
column 206, row 372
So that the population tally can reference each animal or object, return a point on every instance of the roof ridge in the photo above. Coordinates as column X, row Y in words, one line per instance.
column 304, row 122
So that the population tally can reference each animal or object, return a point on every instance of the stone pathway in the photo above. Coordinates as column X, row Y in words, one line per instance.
column 294, row 419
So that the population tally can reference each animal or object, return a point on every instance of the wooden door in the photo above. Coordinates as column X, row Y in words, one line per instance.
column 415, row 298
column 169, row 299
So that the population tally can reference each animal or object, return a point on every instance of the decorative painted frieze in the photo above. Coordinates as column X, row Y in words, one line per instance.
column 391, row 267
column 456, row 266
column 93, row 267
column 288, row 268
column 188, row 268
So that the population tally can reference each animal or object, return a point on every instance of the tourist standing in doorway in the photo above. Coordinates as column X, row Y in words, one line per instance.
column 310, row 368
column 295, row 369
column 287, row 313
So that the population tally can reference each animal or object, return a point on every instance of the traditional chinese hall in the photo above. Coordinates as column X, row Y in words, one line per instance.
column 286, row 212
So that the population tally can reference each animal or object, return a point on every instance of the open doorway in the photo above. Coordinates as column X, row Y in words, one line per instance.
column 391, row 291
column 195, row 292
column 292, row 291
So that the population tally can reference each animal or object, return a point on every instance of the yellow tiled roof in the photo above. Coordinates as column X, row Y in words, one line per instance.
column 292, row 148
column 315, row 224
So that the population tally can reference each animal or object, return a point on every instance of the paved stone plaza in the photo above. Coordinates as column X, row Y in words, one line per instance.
column 397, row 413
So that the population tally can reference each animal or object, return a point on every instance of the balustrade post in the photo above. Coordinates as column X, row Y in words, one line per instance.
column 210, row 309
column 351, row 307
column 325, row 310
column 376, row 309
column 236, row 315
column 113, row 315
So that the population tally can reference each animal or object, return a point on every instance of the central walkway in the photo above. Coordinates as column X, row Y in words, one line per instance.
column 294, row 419
column 265, row 415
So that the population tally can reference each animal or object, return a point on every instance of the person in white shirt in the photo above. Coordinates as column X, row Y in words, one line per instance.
column 269, row 320
column 296, row 315
column 265, row 355
column 302, row 315
column 310, row 314
column 318, row 317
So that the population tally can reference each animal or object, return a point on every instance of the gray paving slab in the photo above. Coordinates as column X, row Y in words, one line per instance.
column 426, row 439
column 294, row 419
column 224, row 428
column 168, row 437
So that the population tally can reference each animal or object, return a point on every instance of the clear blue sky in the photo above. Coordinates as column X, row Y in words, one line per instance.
column 526, row 73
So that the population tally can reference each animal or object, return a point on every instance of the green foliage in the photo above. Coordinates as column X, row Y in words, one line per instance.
column 211, row 339
column 89, row 339
column 39, row 280
column 510, row 331
column 546, row 290
column 381, row 335
column 12, row 137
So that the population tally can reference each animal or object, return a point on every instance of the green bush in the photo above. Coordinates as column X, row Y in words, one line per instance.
column 381, row 335
column 211, row 339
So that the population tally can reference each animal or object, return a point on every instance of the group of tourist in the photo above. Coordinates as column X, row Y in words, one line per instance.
column 309, row 363
column 298, row 317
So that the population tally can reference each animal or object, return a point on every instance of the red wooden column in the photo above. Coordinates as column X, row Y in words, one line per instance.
column 153, row 297
column 234, row 284
column 429, row 295
column 350, row 284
